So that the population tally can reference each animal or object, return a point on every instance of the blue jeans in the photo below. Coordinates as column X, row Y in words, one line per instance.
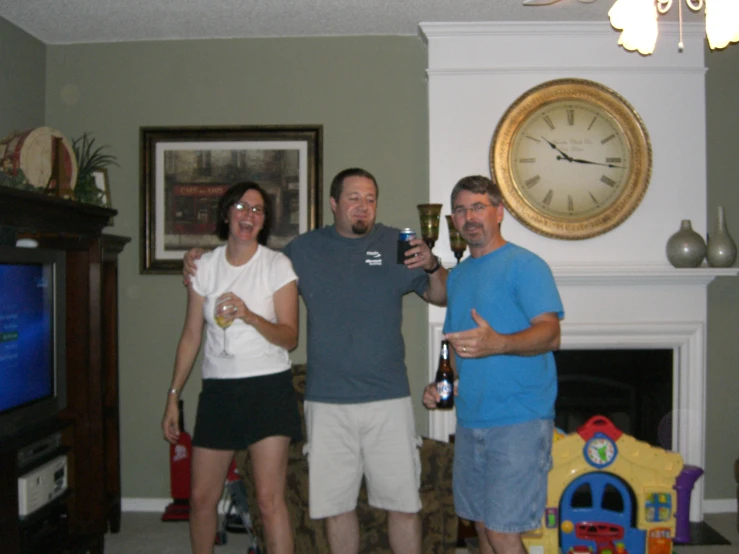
column 500, row 474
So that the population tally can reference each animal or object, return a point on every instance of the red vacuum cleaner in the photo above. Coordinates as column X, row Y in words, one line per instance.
column 180, row 456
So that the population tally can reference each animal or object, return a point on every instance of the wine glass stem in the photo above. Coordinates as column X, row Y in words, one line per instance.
column 225, row 348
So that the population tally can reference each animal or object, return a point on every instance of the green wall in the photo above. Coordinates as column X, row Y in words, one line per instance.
column 370, row 96
column 368, row 93
column 722, row 392
column 22, row 79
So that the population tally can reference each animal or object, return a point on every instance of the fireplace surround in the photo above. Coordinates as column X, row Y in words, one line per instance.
column 631, row 387
column 618, row 290
column 633, row 308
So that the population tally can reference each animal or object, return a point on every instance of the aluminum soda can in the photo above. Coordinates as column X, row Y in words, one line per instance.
column 407, row 234
column 404, row 244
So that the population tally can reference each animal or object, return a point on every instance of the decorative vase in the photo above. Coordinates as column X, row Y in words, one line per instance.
column 686, row 248
column 721, row 248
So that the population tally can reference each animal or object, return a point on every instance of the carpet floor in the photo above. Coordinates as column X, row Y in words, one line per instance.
column 145, row 533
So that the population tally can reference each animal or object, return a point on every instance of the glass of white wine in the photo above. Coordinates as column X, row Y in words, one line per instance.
column 222, row 311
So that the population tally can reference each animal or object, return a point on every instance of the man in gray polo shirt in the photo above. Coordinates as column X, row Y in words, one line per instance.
column 358, row 408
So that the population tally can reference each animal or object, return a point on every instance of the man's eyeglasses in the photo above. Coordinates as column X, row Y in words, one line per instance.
column 476, row 209
column 243, row 206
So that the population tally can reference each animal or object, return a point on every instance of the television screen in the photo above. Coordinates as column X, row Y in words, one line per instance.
column 26, row 334
column 32, row 337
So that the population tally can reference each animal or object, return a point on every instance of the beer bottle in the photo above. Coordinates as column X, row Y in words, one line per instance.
column 445, row 379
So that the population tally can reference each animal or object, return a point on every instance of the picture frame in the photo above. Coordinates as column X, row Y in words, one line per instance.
column 100, row 176
column 185, row 170
column 102, row 183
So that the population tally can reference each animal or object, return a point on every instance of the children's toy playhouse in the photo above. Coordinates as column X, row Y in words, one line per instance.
column 609, row 493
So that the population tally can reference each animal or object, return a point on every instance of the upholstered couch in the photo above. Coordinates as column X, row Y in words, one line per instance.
column 438, row 518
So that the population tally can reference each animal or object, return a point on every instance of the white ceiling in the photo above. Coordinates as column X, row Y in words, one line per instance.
column 81, row 21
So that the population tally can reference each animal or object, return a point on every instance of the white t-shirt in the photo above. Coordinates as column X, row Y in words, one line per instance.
column 255, row 283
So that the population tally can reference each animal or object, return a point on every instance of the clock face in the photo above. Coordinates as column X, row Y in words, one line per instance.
column 600, row 451
column 572, row 159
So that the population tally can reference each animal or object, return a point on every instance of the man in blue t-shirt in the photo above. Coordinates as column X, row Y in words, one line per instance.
column 358, row 409
column 502, row 321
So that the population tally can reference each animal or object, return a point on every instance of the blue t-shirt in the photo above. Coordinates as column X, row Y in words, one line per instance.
column 508, row 287
column 353, row 289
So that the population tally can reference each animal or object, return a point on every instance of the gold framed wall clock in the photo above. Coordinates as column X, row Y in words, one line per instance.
column 572, row 158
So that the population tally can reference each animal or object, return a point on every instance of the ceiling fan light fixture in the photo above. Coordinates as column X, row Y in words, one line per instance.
column 538, row 2
column 722, row 22
column 637, row 19
column 547, row 2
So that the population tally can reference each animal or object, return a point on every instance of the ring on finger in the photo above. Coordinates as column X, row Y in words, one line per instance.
column 464, row 349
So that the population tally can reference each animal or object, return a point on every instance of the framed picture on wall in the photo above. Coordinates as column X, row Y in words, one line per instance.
column 185, row 171
column 101, row 182
column 100, row 177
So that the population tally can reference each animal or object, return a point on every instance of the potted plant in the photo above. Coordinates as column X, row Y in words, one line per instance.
column 90, row 160
column 13, row 178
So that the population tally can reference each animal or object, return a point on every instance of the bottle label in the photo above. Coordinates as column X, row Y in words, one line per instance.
column 444, row 388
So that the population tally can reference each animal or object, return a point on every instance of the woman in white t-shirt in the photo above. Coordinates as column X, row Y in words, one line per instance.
column 247, row 399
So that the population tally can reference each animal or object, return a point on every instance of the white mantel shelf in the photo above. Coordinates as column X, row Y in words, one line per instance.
column 600, row 275
column 619, row 290
column 627, row 275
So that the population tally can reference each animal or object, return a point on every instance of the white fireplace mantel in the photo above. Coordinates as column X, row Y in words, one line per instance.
column 618, row 290
column 637, row 275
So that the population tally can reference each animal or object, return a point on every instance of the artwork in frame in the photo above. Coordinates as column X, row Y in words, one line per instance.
column 185, row 170
column 101, row 182
column 100, row 177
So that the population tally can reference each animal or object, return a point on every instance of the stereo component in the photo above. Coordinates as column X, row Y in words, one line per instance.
column 42, row 485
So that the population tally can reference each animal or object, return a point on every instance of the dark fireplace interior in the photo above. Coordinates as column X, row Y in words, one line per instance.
column 633, row 388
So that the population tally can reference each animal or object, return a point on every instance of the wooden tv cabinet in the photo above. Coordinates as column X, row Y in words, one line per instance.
column 91, row 421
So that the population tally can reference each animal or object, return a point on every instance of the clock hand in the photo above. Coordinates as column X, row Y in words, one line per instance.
column 577, row 160
column 602, row 453
column 564, row 156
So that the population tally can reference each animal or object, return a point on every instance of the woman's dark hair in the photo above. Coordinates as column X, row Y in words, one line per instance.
column 233, row 196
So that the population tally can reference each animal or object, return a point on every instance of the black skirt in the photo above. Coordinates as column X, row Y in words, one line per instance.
column 235, row 413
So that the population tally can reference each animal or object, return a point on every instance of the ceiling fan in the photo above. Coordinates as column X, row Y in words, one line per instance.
column 546, row 2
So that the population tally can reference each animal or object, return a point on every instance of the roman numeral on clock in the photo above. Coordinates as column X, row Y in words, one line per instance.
column 570, row 116
column 570, row 204
column 532, row 181
column 548, row 121
column 609, row 137
column 548, row 198
column 608, row 181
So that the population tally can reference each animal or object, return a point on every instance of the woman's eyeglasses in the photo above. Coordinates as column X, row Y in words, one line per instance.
column 243, row 206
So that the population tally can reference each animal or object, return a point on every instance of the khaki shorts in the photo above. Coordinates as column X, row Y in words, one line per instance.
column 374, row 439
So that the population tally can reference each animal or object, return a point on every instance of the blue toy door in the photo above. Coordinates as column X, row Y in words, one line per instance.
column 596, row 515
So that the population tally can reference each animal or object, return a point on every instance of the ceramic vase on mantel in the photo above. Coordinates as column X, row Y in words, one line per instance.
column 721, row 248
column 686, row 248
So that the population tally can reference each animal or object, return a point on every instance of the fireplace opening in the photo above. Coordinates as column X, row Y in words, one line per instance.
column 633, row 388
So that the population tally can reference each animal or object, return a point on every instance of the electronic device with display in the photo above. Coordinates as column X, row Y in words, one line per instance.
column 32, row 338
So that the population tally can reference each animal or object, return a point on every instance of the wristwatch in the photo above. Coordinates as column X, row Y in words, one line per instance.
column 435, row 268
